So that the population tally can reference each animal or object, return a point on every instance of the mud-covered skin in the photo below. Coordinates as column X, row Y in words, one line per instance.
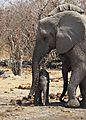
column 43, row 87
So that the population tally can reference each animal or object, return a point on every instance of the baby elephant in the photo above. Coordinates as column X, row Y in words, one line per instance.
column 43, row 87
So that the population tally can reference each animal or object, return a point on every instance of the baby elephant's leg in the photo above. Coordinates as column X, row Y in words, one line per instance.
column 37, row 97
column 44, row 97
column 46, row 94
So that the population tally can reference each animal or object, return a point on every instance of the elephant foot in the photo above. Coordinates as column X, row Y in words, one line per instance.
column 83, row 103
column 38, row 104
column 46, row 104
column 73, row 103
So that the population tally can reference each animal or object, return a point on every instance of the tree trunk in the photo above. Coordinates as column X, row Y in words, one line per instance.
column 16, row 67
column 16, row 64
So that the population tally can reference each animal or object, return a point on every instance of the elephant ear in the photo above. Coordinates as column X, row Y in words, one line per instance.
column 66, row 39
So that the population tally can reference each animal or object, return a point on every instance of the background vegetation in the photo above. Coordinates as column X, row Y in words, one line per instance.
column 18, row 23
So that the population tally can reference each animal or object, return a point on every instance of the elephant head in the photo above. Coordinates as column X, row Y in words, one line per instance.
column 45, row 42
column 61, row 31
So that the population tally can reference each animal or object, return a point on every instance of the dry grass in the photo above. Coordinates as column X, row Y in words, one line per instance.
column 14, row 88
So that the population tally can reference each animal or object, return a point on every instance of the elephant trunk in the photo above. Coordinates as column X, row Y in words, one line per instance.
column 37, row 56
column 35, row 78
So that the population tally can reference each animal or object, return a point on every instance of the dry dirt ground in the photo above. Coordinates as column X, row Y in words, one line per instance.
column 14, row 88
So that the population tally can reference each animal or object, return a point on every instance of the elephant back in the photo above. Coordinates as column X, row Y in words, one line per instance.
column 66, row 7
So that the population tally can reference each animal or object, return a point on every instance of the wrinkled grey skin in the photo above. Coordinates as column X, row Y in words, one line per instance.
column 66, row 67
column 43, row 86
column 66, row 7
column 65, row 31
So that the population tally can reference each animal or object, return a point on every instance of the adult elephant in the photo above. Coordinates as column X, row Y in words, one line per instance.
column 65, row 31
column 66, row 67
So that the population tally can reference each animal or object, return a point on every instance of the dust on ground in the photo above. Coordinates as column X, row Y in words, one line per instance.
column 14, row 88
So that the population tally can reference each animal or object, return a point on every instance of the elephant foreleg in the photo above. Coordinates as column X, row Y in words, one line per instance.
column 77, row 76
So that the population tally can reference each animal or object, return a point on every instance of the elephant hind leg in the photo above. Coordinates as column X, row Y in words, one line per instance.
column 77, row 76
column 82, row 86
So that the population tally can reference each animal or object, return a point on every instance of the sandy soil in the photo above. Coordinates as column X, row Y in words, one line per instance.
column 10, row 92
